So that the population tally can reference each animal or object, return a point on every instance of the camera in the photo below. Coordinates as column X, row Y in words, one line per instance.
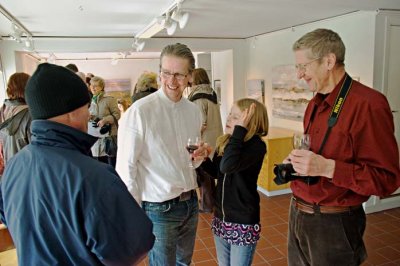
column 104, row 129
column 285, row 173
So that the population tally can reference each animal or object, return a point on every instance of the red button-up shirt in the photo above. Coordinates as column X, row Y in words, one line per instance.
column 362, row 143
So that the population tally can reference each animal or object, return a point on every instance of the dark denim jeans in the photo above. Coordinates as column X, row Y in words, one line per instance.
column 174, row 225
column 326, row 239
column 233, row 255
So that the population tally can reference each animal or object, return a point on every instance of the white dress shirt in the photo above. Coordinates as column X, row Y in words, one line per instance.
column 152, row 158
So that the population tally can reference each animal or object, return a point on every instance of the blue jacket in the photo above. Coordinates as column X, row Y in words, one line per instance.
column 63, row 207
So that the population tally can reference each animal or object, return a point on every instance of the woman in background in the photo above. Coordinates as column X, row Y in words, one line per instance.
column 236, row 164
column 104, row 113
column 16, row 134
column 206, row 99
column 145, row 85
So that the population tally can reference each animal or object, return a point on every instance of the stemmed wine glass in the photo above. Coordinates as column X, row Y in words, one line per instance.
column 192, row 145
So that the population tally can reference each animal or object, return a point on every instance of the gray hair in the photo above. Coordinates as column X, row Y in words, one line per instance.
column 322, row 42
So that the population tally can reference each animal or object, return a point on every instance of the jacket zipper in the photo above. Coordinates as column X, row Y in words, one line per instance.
column 223, row 197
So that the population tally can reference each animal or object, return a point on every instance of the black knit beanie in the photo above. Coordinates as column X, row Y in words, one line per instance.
column 54, row 90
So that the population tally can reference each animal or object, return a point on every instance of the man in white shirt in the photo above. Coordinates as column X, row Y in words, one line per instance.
column 153, row 161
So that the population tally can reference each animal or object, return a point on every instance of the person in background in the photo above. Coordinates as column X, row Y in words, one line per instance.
column 123, row 105
column 145, row 85
column 72, row 67
column 60, row 205
column 206, row 99
column 16, row 134
column 236, row 165
column 354, row 159
column 153, row 161
column 103, row 112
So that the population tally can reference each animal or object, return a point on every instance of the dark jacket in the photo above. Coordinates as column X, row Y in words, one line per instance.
column 141, row 94
column 16, row 134
column 63, row 207
column 237, row 199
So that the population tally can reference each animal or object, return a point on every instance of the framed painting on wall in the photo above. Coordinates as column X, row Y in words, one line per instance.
column 290, row 96
column 255, row 89
column 118, row 88
column 217, row 89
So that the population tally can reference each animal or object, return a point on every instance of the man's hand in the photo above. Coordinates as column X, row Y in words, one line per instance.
column 308, row 163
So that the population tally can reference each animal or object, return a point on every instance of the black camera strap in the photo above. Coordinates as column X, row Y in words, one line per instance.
column 337, row 107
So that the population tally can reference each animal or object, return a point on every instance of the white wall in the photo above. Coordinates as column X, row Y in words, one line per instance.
column 125, row 69
column 357, row 31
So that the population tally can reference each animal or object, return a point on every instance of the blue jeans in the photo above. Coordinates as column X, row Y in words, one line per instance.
column 234, row 255
column 174, row 225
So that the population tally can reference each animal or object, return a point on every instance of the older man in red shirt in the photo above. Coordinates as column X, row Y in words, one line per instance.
column 354, row 156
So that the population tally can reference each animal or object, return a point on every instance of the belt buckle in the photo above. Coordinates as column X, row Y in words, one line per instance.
column 185, row 196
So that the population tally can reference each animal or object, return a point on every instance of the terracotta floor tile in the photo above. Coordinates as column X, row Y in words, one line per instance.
column 206, row 263
column 202, row 255
column 389, row 253
column 279, row 262
column 270, row 254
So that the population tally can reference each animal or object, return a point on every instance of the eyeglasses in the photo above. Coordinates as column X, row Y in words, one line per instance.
column 177, row 76
column 303, row 67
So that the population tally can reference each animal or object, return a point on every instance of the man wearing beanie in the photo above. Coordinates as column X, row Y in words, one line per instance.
column 60, row 205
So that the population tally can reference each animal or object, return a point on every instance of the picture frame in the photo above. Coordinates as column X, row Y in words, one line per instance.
column 217, row 89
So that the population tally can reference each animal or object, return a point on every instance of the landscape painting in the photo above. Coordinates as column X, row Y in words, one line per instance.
column 290, row 95
column 119, row 88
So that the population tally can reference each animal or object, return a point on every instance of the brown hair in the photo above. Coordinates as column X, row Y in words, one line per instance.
column 200, row 76
column 16, row 86
column 258, row 124
column 179, row 50
column 322, row 42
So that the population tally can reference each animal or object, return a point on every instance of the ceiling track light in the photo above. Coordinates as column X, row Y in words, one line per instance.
column 181, row 17
column 138, row 45
column 16, row 33
column 168, row 20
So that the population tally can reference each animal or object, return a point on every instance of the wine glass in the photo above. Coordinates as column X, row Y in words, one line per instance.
column 192, row 145
column 301, row 141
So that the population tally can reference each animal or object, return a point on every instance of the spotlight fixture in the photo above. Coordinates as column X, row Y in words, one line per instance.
column 138, row 45
column 168, row 24
column 181, row 17
column 29, row 45
column 168, row 20
column 16, row 33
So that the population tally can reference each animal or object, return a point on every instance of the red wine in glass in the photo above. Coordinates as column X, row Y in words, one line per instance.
column 192, row 145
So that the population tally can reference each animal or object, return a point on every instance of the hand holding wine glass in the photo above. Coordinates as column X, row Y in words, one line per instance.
column 191, row 146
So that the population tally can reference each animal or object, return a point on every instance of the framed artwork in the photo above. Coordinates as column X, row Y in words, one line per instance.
column 290, row 96
column 118, row 88
column 217, row 88
column 255, row 89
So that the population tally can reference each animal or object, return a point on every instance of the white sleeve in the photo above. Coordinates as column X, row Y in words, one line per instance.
column 130, row 143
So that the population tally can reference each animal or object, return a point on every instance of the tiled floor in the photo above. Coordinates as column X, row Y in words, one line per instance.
column 382, row 237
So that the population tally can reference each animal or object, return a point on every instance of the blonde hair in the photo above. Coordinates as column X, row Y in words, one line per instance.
column 146, row 81
column 258, row 124
column 99, row 81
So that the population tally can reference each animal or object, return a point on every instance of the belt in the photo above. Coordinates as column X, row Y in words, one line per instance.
column 182, row 197
column 314, row 208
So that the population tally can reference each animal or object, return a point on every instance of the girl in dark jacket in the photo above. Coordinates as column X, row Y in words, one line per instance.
column 237, row 162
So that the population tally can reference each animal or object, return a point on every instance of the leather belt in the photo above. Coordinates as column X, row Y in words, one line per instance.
column 314, row 208
column 182, row 197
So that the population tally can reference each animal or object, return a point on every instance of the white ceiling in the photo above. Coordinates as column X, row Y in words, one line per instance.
column 208, row 18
